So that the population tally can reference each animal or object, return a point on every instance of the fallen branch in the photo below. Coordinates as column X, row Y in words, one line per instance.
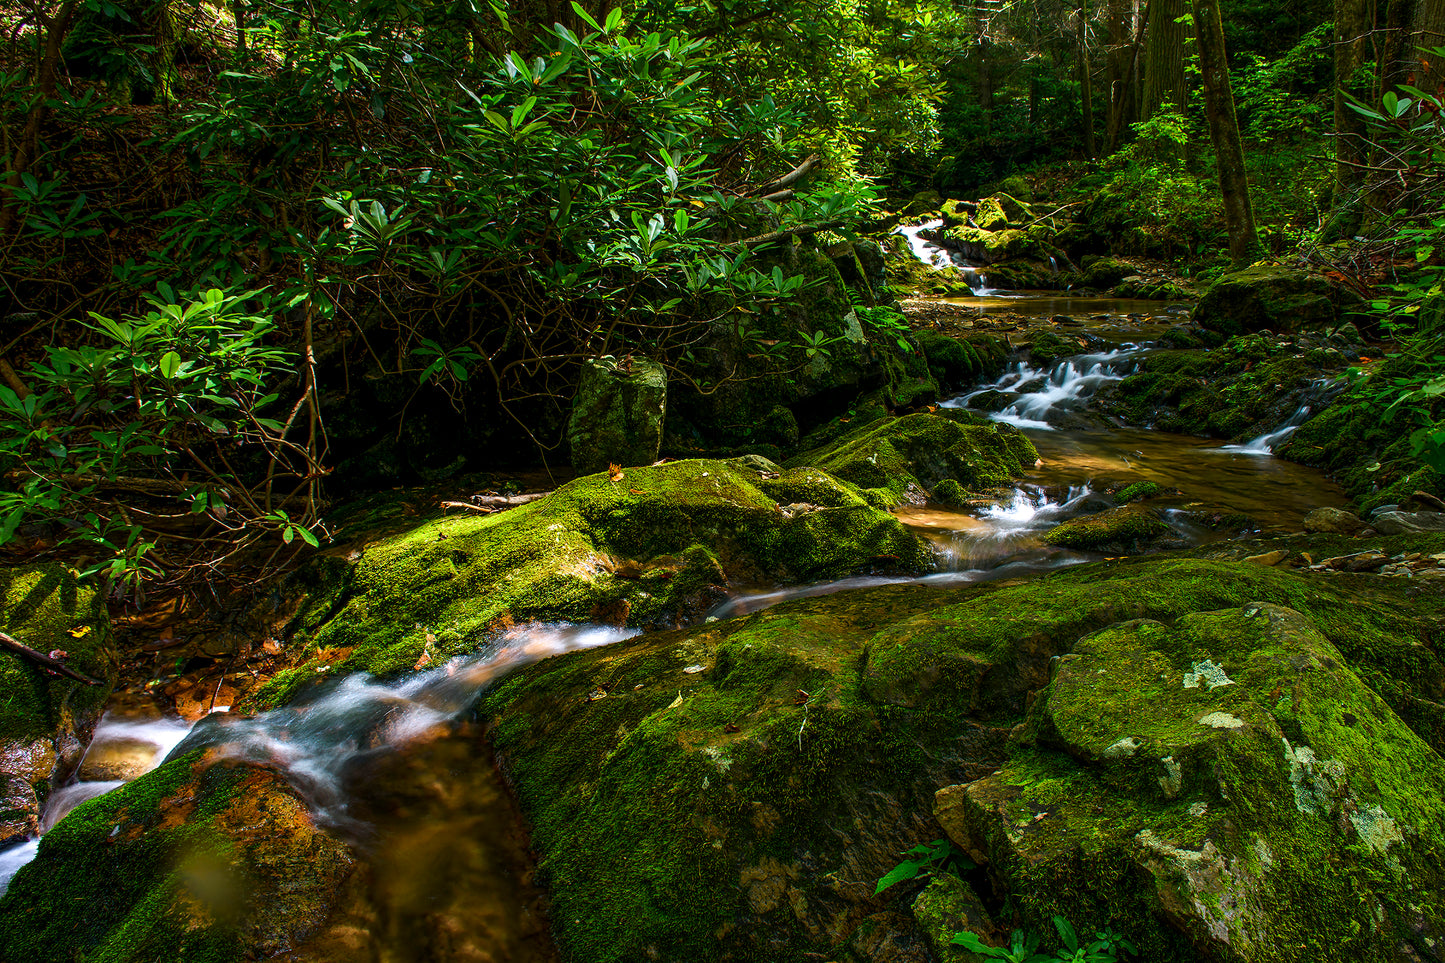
column 26, row 652
column 790, row 178
column 779, row 235
column 507, row 501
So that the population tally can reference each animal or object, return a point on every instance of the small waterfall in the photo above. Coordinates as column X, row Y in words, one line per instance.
column 1064, row 388
column 1322, row 390
column 925, row 250
column 121, row 749
column 937, row 256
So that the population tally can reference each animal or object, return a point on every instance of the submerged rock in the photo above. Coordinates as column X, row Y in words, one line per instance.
column 897, row 459
column 1222, row 764
column 654, row 546
column 617, row 415
column 45, row 719
column 189, row 862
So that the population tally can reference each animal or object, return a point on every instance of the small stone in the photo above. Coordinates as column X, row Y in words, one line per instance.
column 1333, row 521
column 1269, row 558
column 1222, row 720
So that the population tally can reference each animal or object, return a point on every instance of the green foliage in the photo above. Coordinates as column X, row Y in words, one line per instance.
column 160, row 404
column 887, row 321
column 1107, row 946
column 938, row 856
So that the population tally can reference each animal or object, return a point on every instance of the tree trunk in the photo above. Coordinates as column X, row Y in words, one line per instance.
column 1164, row 85
column 1224, row 132
column 1399, row 59
column 1124, row 38
column 46, row 74
column 1352, row 35
column 1430, row 33
column 1086, row 85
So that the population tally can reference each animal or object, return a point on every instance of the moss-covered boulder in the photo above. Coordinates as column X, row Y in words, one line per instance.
column 618, row 414
column 1105, row 272
column 45, row 719
column 1230, row 779
column 1279, row 299
column 734, row 791
column 897, row 459
column 655, row 545
column 194, row 862
column 1128, row 528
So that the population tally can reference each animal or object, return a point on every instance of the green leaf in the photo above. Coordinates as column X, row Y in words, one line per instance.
column 1067, row 934
column 170, row 363
column 577, row 7
column 906, row 870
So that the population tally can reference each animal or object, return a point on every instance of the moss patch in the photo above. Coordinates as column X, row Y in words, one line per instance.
column 902, row 458
column 653, row 546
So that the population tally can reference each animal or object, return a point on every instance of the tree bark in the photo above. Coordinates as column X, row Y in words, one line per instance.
column 1124, row 38
column 1164, row 85
column 1086, row 85
column 1224, row 132
column 1352, row 35
column 1430, row 33
column 46, row 76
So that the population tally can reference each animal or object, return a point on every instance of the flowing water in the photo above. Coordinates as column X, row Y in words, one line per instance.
column 400, row 771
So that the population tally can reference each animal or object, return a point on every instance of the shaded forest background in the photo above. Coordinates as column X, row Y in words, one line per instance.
column 232, row 235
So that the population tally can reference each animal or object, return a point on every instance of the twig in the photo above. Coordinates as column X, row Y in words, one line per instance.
column 25, row 651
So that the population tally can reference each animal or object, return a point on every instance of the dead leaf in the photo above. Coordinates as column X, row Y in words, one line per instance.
column 615, row 473
column 637, row 491
column 79, row 631
column 59, row 654
column 731, row 728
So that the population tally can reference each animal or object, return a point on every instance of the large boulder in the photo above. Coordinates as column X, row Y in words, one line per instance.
column 1199, row 777
column 1279, row 299
column 655, row 545
column 901, row 459
column 46, row 719
column 734, row 791
column 190, row 862
column 617, row 415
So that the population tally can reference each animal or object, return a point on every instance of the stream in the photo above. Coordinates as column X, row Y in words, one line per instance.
column 397, row 768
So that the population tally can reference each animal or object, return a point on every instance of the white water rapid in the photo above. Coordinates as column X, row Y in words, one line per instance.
column 1066, row 387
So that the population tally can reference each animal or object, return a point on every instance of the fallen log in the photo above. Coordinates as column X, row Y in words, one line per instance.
column 43, row 660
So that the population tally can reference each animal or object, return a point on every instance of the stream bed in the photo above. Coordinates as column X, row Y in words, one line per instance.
column 400, row 771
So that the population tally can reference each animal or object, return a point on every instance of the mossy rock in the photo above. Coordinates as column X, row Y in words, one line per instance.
column 902, row 458
column 740, row 786
column 194, row 862
column 654, row 546
column 955, row 213
column 989, row 215
column 1279, row 299
column 1136, row 492
column 1047, row 348
column 990, row 247
column 1105, row 272
column 617, row 414
column 46, row 720
column 1128, row 528
column 953, row 361
column 1202, row 775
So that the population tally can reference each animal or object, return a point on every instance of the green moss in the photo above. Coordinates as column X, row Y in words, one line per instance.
column 44, row 608
column 906, row 456
column 713, row 812
column 954, row 363
column 1162, row 780
column 1275, row 298
column 1136, row 491
column 1128, row 527
column 654, row 546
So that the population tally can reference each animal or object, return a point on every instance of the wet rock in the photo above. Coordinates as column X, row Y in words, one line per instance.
column 190, row 862
column 1136, row 492
column 1402, row 523
column 1275, row 298
column 1234, row 794
column 1333, row 521
column 617, row 415
column 117, row 759
column 1268, row 558
column 770, row 792
column 45, row 719
column 680, row 530
column 897, row 459
column 1128, row 528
